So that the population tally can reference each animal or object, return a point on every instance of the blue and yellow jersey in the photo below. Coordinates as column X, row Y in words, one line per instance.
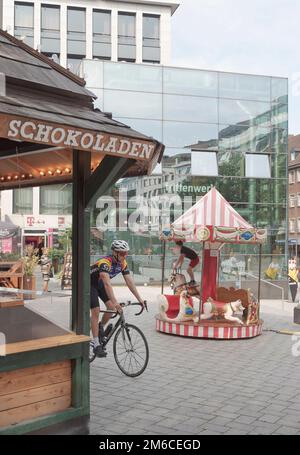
column 108, row 264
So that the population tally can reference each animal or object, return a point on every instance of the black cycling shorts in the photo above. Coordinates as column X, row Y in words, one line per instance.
column 98, row 291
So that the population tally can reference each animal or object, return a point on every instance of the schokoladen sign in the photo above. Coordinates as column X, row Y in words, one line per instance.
column 77, row 138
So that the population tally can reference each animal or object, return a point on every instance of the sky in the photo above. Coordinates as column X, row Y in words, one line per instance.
column 244, row 36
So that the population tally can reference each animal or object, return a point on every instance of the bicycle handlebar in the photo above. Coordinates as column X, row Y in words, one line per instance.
column 136, row 303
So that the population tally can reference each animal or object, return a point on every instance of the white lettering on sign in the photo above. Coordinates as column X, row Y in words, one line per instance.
column 49, row 134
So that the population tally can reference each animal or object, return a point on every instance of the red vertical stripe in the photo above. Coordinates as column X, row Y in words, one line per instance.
column 216, row 332
column 239, row 332
column 247, row 331
column 186, row 330
column 177, row 329
column 170, row 327
column 164, row 326
column 195, row 331
column 205, row 332
column 226, row 332
column 231, row 332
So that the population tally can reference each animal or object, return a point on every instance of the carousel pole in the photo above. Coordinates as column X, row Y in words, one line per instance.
column 201, row 284
column 163, row 266
column 259, row 277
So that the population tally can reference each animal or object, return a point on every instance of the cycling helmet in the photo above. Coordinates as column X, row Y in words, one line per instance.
column 120, row 245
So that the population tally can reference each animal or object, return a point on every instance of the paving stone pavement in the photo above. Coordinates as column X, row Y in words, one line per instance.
column 196, row 387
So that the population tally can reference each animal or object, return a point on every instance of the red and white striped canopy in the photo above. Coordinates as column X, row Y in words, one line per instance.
column 211, row 210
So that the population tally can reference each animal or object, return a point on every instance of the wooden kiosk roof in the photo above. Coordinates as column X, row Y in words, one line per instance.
column 47, row 111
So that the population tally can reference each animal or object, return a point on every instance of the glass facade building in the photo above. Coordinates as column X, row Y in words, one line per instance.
column 219, row 129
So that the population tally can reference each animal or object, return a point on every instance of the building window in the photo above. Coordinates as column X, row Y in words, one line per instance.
column 76, row 38
column 126, row 37
column 298, row 199
column 292, row 200
column 50, row 31
column 56, row 199
column 291, row 177
column 257, row 166
column 298, row 224
column 292, row 225
column 24, row 22
column 102, row 34
column 22, row 200
column 151, row 38
column 298, row 175
column 204, row 163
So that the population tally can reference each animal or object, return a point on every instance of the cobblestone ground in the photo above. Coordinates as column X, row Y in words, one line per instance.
column 195, row 387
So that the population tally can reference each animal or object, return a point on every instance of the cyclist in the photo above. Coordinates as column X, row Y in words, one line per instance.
column 101, row 273
column 190, row 254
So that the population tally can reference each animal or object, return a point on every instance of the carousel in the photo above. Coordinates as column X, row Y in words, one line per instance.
column 208, row 310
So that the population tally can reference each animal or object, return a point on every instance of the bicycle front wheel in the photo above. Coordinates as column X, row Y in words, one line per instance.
column 131, row 350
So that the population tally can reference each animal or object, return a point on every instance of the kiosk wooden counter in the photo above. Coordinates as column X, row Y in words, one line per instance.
column 50, row 133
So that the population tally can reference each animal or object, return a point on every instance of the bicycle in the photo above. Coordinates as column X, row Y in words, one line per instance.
column 129, row 343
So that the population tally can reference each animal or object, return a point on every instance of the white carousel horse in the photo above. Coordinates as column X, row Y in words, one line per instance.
column 212, row 308
column 177, row 308
column 178, row 283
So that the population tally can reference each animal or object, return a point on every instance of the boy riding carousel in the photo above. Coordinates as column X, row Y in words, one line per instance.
column 190, row 254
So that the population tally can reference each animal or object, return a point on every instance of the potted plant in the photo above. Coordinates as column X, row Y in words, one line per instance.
column 30, row 261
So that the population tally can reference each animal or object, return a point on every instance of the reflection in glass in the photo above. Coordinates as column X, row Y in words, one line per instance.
column 93, row 73
column 257, row 166
column 242, row 139
column 231, row 163
column 126, row 76
column 280, row 116
column 101, row 34
column 245, row 87
column 204, row 163
column 190, row 108
column 182, row 134
column 24, row 22
column 279, row 90
column 134, row 104
column 50, row 29
column 56, row 199
column 278, row 165
column 184, row 81
column 244, row 113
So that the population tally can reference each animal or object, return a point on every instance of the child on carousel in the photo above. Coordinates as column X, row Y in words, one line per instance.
column 190, row 254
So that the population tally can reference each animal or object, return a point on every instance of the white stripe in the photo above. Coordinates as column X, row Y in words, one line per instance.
column 221, row 332
column 243, row 332
column 182, row 330
column 218, row 209
column 210, row 332
column 208, row 210
column 191, row 330
column 174, row 328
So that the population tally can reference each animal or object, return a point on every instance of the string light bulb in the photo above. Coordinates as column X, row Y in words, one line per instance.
column 42, row 173
column 50, row 172
column 58, row 171
column 9, row 177
column 67, row 170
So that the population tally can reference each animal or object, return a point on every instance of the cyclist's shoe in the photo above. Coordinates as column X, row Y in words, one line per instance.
column 108, row 330
column 192, row 283
column 100, row 351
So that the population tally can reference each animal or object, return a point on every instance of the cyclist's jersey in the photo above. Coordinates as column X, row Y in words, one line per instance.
column 107, row 264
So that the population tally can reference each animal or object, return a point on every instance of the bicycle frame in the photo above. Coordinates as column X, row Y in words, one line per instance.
column 120, row 322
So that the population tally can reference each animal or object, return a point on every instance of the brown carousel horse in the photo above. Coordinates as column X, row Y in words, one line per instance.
column 178, row 283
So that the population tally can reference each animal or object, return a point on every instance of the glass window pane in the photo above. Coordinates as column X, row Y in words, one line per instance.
column 24, row 17
column 93, row 73
column 279, row 165
column 126, row 27
column 245, row 139
column 279, row 90
column 101, row 34
column 190, row 108
column 231, row 163
column 204, row 163
column 183, row 81
column 181, row 134
column 245, row 87
column 56, row 199
column 280, row 116
column 74, row 64
column 279, row 140
column 50, row 17
column 22, row 200
column 125, row 76
column 244, row 112
column 76, row 20
column 151, row 128
column 76, row 32
column 151, row 25
column 257, row 166
column 134, row 104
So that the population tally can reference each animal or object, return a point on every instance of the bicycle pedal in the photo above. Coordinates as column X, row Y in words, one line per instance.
column 99, row 351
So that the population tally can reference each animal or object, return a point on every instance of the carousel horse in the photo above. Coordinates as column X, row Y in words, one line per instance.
column 177, row 308
column 178, row 284
column 215, row 309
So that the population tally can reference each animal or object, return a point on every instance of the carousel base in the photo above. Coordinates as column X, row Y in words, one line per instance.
column 217, row 330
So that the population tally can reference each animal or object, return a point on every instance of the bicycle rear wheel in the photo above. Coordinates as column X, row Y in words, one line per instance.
column 92, row 355
column 131, row 350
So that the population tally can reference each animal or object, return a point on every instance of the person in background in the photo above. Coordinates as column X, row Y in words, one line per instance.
column 190, row 254
column 46, row 265
column 40, row 248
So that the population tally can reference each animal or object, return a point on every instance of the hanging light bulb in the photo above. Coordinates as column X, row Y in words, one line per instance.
column 2, row 179
column 23, row 176
column 16, row 177
column 67, row 170
column 30, row 176
column 58, row 171
column 9, row 177
column 42, row 173
column 50, row 172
